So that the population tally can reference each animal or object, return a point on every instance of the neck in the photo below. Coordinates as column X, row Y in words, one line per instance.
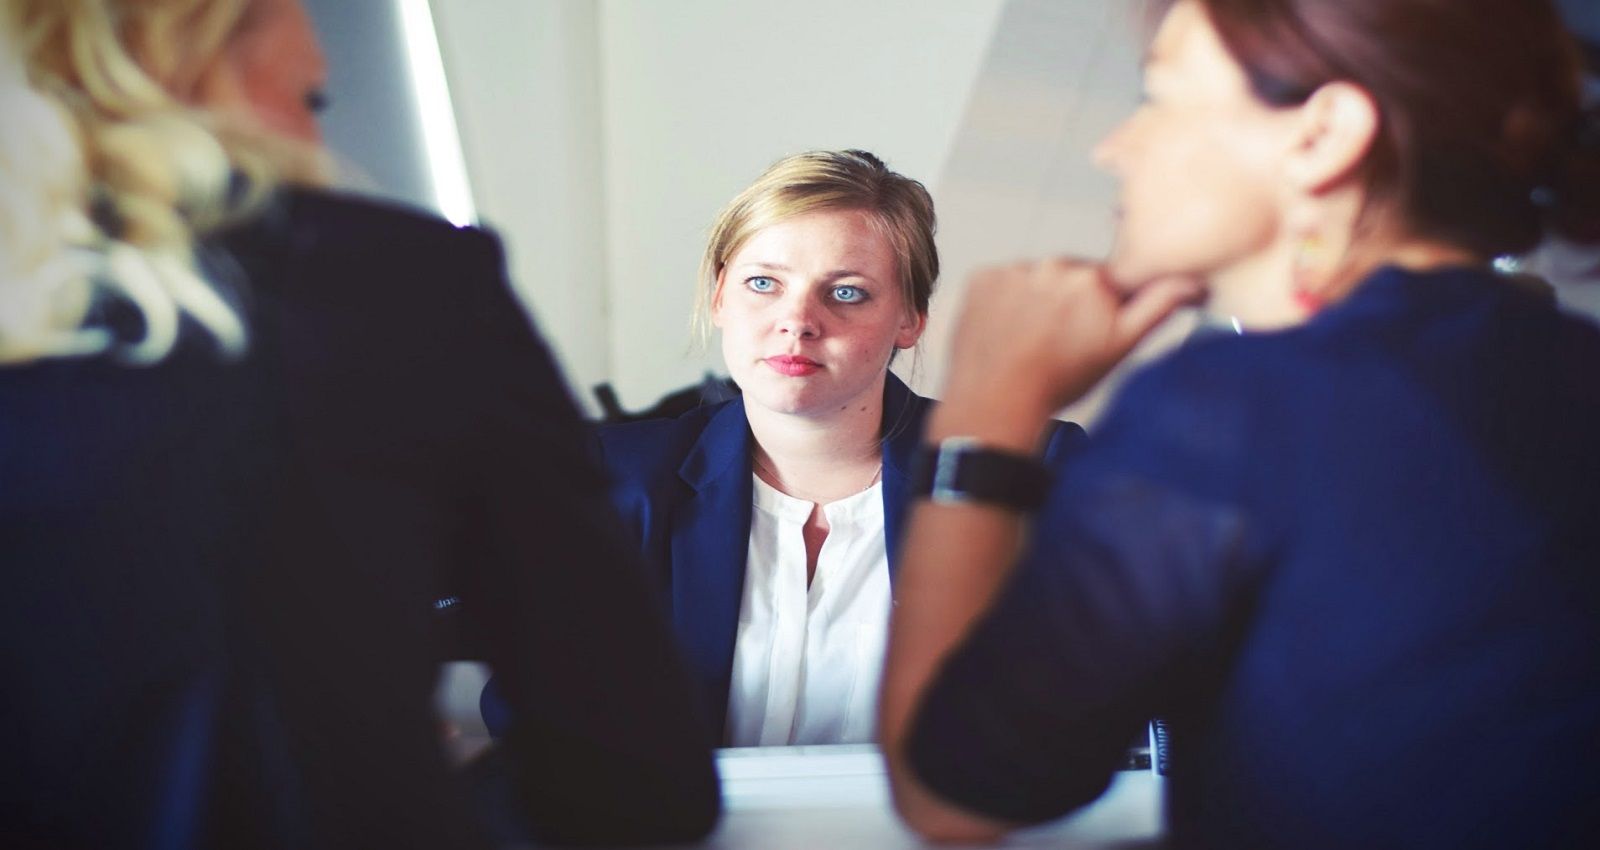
column 1255, row 290
column 1369, row 254
column 819, row 457
column 1421, row 256
column 1260, row 290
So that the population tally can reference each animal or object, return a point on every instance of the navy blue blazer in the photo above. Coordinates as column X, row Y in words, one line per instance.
column 683, row 487
column 1355, row 564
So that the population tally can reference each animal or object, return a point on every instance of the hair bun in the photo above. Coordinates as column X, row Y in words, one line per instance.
column 869, row 157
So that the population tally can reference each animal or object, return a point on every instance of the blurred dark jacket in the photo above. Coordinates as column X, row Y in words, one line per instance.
column 219, row 627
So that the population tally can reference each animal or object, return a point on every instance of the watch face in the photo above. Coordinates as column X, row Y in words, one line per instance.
column 952, row 455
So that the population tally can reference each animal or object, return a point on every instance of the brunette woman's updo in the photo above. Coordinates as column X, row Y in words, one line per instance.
column 1484, row 142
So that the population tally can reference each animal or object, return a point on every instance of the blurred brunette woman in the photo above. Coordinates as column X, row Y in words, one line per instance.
column 1350, row 553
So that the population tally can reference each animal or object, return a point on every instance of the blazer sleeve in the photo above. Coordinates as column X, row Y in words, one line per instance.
column 606, row 741
column 1127, row 591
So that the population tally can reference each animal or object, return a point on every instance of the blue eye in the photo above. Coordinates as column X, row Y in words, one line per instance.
column 761, row 284
column 849, row 294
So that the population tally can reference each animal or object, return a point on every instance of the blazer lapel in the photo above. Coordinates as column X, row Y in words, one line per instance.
column 710, row 542
column 903, row 414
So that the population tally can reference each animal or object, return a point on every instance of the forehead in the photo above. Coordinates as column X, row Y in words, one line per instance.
column 1188, row 63
column 844, row 238
column 1186, row 42
column 281, row 31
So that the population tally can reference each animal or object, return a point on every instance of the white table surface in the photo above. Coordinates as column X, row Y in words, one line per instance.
column 837, row 798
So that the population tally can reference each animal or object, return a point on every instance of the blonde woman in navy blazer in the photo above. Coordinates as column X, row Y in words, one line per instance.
column 815, row 276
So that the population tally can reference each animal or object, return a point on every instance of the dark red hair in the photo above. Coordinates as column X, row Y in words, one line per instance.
column 1484, row 141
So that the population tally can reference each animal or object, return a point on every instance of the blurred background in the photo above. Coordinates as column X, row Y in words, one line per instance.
column 600, row 137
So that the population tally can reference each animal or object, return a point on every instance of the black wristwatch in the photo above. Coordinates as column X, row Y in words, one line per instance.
column 961, row 469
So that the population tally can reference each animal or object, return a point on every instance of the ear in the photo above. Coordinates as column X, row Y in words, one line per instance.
column 911, row 330
column 1337, row 128
column 716, row 300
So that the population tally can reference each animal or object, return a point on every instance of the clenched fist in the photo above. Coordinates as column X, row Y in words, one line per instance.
column 1034, row 337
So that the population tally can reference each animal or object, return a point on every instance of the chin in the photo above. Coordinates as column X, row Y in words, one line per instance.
column 791, row 399
column 1127, row 271
column 1131, row 269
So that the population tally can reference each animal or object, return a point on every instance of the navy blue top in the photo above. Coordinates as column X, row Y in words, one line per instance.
column 683, row 486
column 1356, row 563
column 217, row 627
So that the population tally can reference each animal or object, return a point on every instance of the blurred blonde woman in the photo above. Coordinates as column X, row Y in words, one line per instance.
column 248, row 431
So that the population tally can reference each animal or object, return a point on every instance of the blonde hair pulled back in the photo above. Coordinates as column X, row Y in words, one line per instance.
column 817, row 181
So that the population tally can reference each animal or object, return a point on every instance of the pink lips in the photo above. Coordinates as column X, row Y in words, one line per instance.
column 793, row 365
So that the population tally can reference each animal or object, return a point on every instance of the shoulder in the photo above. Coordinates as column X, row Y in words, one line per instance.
column 325, row 239
column 1189, row 416
column 1198, row 373
column 335, row 218
column 1065, row 440
column 906, row 415
column 638, row 452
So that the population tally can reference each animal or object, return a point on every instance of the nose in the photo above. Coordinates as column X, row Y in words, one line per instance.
column 799, row 319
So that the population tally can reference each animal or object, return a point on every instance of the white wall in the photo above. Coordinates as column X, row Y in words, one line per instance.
column 525, row 79
column 369, row 87
column 603, row 136
column 1020, row 181
column 702, row 95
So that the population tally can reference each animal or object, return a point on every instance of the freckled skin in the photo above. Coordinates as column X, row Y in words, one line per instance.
column 803, row 262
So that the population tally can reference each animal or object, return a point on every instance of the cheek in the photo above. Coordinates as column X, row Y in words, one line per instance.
column 1235, row 199
column 1217, row 201
column 1200, row 201
column 737, row 316
column 280, row 105
column 734, row 338
column 871, row 341
column 742, row 330
column 738, row 356
column 277, row 68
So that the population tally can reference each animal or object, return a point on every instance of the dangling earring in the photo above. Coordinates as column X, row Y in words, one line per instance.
column 1309, row 272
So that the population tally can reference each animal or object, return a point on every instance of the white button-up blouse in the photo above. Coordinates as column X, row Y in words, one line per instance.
column 807, row 661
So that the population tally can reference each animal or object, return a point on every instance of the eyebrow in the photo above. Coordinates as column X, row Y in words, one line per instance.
column 836, row 274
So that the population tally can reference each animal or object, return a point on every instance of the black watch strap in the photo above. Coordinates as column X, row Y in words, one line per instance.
column 960, row 469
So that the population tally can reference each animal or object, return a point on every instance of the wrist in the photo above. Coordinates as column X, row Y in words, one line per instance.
column 1006, row 424
column 966, row 470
